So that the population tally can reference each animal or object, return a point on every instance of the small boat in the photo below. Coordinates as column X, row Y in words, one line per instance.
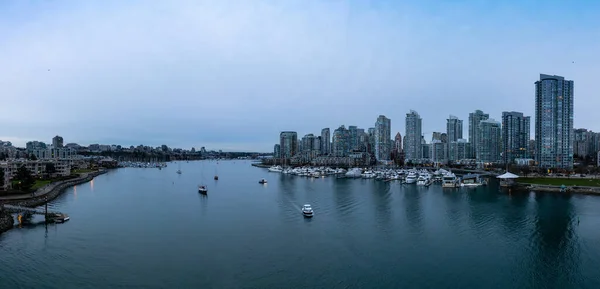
column 202, row 190
column 411, row 178
column 61, row 218
column 216, row 178
column 263, row 181
column 179, row 172
column 307, row 211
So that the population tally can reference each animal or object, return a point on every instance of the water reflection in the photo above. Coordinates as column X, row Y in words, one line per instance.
column 412, row 208
column 92, row 185
column 555, row 255
column 344, row 198
column 381, row 195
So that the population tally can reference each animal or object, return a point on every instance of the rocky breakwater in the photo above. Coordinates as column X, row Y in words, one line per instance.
column 6, row 221
column 54, row 190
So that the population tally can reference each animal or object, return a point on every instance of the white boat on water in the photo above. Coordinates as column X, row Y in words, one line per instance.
column 471, row 180
column 422, row 180
column 411, row 178
column 449, row 180
column 275, row 169
column 307, row 211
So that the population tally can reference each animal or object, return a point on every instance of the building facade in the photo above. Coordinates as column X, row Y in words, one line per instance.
column 341, row 142
column 515, row 136
column 383, row 135
column 288, row 143
column 488, row 150
column 454, row 128
column 325, row 141
column 554, row 122
column 412, row 146
column 474, row 119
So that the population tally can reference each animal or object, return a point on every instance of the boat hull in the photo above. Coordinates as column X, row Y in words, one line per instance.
column 307, row 215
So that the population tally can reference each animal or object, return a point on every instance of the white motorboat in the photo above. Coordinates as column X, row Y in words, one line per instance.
column 307, row 211
column 422, row 180
column 449, row 180
column 276, row 169
column 411, row 178
column 202, row 190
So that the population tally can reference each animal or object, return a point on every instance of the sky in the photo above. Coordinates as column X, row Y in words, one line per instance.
column 231, row 75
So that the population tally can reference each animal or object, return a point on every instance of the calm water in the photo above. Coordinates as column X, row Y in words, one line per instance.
column 149, row 228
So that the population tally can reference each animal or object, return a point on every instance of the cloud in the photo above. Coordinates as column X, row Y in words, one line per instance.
column 235, row 73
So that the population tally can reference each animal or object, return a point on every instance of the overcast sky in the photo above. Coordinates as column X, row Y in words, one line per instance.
column 232, row 74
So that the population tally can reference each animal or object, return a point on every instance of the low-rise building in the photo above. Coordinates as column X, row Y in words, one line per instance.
column 37, row 168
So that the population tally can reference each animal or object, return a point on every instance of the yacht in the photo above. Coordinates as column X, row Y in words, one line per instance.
column 449, row 181
column 471, row 180
column 411, row 178
column 307, row 211
column 262, row 181
column 422, row 180
column 276, row 169
column 202, row 189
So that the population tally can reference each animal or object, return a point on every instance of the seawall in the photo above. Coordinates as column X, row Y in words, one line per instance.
column 6, row 221
column 55, row 191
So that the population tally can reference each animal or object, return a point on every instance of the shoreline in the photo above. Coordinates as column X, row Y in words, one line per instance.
column 7, row 220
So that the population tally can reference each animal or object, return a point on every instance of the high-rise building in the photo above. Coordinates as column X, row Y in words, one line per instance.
column 383, row 135
column 277, row 151
column 583, row 143
column 398, row 143
column 515, row 136
column 412, row 145
column 474, row 119
column 489, row 141
column 438, row 151
column 353, row 130
column 371, row 146
column 325, row 141
column 458, row 150
column 57, row 142
column 454, row 128
column 288, row 143
column 436, row 135
column 554, row 122
column 308, row 142
column 341, row 142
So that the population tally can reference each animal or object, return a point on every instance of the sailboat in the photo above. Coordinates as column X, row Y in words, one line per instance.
column 179, row 170
column 216, row 174
column 202, row 189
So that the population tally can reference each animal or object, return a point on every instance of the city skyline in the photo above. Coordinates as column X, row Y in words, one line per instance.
column 130, row 73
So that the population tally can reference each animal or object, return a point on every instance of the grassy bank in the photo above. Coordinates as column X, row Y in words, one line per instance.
column 83, row 171
column 561, row 181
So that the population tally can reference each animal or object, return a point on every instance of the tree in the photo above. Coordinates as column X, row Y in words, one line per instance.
column 3, row 156
column 25, row 178
column 525, row 170
column 50, row 168
column 32, row 157
column 1, row 178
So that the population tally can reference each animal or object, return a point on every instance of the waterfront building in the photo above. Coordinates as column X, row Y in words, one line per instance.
column 57, row 142
column 288, row 142
column 489, row 147
column 277, row 151
column 413, row 149
column 515, row 136
column 353, row 131
column 37, row 168
column 398, row 143
column 383, row 135
column 341, row 142
column 554, row 122
column 454, row 129
column 438, row 152
column 458, row 150
column 583, row 143
column 474, row 119
column 325, row 141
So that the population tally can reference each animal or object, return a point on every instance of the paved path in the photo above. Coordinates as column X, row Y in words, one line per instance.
column 39, row 192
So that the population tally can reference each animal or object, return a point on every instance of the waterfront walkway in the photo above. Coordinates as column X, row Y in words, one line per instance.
column 45, row 190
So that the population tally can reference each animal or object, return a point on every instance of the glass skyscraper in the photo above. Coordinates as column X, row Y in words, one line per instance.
column 515, row 136
column 474, row 119
column 412, row 133
column 383, row 135
column 325, row 141
column 288, row 144
column 488, row 149
column 554, row 122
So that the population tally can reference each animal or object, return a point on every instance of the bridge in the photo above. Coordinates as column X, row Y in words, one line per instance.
column 19, row 209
